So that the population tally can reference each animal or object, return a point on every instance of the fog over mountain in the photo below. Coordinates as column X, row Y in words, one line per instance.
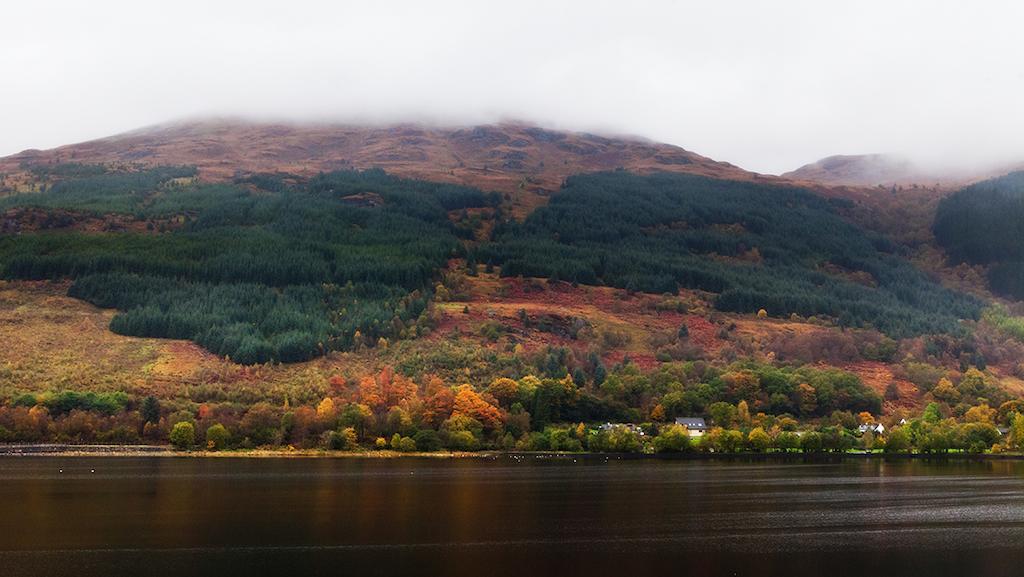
column 767, row 87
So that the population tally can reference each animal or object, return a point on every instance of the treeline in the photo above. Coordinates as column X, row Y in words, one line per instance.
column 698, row 389
column 784, row 250
column 97, row 189
column 281, row 273
column 984, row 224
column 506, row 413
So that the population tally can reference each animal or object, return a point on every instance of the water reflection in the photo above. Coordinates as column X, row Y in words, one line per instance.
column 164, row 516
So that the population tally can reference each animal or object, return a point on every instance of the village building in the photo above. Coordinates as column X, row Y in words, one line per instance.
column 875, row 428
column 695, row 426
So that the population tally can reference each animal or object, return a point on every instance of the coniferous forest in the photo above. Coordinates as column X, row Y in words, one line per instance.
column 984, row 224
column 756, row 246
column 257, row 270
column 275, row 268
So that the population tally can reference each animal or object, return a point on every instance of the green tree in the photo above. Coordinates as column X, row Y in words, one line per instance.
column 427, row 440
column 722, row 414
column 150, row 410
column 183, row 435
column 730, row 441
column 787, row 441
column 898, row 441
column 673, row 439
column 977, row 437
column 217, row 437
column 810, row 442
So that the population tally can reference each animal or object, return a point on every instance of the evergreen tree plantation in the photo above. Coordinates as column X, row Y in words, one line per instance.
column 255, row 272
column 783, row 250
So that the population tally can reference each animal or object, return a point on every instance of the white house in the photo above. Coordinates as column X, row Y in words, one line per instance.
column 695, row 426
column 876, row 428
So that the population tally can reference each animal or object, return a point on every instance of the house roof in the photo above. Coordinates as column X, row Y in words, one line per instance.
column 691, row 422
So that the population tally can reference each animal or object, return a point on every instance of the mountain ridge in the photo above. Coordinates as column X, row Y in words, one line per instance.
column 524, row 160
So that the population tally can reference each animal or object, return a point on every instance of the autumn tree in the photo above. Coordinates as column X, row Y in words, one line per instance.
column 973, row 383
column 439, row 402
column 505, row 391
column 359, row 418
column 945, row 391
column 326, row 413
column 1016, row 435
column 658, row 413
column 371, row 394
column 262, row 424
column 758, row 440
column 398, row 421
column 980, row 414
column 808, row 399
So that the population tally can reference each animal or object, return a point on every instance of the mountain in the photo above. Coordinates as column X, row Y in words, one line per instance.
column 861, row 170
column 330, row 285
column 527, row 161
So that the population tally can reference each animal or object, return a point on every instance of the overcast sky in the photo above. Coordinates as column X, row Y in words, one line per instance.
column 765, row 85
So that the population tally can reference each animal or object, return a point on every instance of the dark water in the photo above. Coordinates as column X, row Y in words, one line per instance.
column 171, row 516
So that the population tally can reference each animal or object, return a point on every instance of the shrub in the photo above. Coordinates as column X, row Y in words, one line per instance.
column 183, row 435
column 217, row 437
column 427, row 440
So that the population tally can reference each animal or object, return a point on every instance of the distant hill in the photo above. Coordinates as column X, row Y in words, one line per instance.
column 862, row 170
column 888, row 170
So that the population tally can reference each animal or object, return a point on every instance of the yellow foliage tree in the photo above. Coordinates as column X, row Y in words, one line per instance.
column 980, row 414
column 742, row 412
column 658, row 413
column 945, row 391
column 325, row 410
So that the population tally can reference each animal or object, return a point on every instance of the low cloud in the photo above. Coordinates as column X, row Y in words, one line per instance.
column 764, row 86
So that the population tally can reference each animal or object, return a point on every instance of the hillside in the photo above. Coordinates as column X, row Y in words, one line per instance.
column 983, row 224
column 528, row 162
column 487, row 285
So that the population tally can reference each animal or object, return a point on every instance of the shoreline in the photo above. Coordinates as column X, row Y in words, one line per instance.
column 67, row 450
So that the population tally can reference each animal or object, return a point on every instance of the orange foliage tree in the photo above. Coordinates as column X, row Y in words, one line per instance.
column 468, row 402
